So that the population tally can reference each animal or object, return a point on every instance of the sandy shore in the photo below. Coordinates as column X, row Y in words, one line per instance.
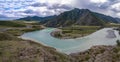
column 111, row 34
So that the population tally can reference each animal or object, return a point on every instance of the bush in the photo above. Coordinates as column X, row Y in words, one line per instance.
column 57, row 35
column 118, row 42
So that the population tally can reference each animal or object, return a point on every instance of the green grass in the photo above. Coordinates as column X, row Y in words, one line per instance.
column 112, row 25
column 78, row 31
column 18, row 32
column 17, row 28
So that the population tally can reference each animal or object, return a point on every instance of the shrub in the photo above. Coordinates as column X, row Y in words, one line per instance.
column 118, row 42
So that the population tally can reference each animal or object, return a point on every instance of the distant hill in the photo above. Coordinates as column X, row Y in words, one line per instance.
column 36, row 18
column 79, row 17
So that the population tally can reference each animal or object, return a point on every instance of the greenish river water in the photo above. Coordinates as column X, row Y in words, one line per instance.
column 72, row 45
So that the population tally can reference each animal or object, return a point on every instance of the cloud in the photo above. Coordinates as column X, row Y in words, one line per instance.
column 4, row 17
column 107, row 7
column 59, row 6
column 52, row 7
column 116, row 7
column 39, row 4
column 29, row 11
column 98, row 1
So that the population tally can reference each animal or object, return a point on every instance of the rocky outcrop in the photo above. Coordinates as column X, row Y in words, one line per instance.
column 99, row 54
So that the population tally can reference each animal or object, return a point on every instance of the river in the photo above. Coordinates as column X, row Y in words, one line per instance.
column 73, row 45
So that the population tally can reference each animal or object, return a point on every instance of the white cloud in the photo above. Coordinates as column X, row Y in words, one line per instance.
column 67, row 1
column 118, row 14
column 56, row 1
column 98, row 1
column 42, row 9
column 116, row 6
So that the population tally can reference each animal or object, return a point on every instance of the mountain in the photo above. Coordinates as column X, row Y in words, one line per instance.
column 107, row 18
column 118, row 20
column 79, row 17
column 36, row 18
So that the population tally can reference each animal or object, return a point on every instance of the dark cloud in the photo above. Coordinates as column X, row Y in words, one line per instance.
column 47, row 12
column 115, row 10
column 32, row 13
column 3, row 16
column 59, row 6
column 39, row 4
column 113, row 1
column 29, row 11
column 108, row 4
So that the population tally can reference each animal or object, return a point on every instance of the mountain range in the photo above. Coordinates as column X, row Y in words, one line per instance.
column 74, row 17
column 36, row 18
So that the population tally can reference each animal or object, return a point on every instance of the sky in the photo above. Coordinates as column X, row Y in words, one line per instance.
column 14, row 9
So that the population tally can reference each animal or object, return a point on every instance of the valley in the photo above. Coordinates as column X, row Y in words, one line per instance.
column 78, row 35
column 16, row 49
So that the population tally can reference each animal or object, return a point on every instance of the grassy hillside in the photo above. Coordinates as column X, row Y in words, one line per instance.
column 5, row 36
column 11, row 24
